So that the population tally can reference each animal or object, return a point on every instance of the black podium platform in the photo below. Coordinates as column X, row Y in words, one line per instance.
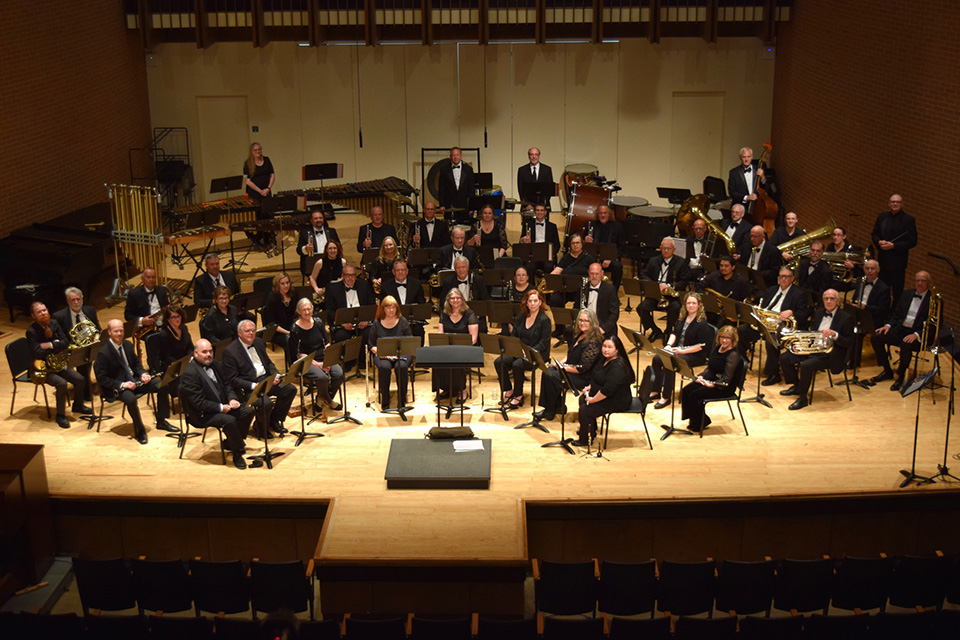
column 433, row 464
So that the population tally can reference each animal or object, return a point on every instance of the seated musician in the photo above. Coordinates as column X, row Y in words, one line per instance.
column 431, row 232
column 904, row 329
column 246, row 364
column 390, row 324
column 601, row 298
column 814, row 274
column 348, row 293
column 737, row 228
column 726, row 281
column 786, row 301
column 583, row 351
column 521, row 283
column 280, row 308
column 697, row 248
column 205, row 283
column 608, row 391
column 714, row 381
column 306, row 336
column 690, row 337
column 382, row 267
column 73, row 314
column 873, row 294
column 789, row 231
column 329, row 268
column 173, row 343
column 258, row 177
column 372, row 235
column 533, row 328
column 669, row 271
column 760, row 255
column 145, row 302
column 45, row 337
column 313, row 240
column 121, row 376
column 840, row 245
column 406, row 290
column 832, row 322
column 606, row 229
column 539, row 230
column 221, row 321
column 213, row 402
column 575, row 262
column 455, row 317
column 457, row 248
column 470, row 284
column 489, row 232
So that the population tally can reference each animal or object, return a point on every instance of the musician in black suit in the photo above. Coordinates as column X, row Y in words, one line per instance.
column 457, row 247
column 606, row 229
column 118, row 371
column 894, row 234
column 535, row 172
column 738, row 228
column 840, row 245
column 45, row 337
column 575, row 262
column 209, row 400
column 431, row 232
column 832, row 322
column 313, row 240
column 348, row 292
column 904, row 329
column 697, row 247
column 456, row 184
column 74, row 313
column 539, row 230
column 789, row 231
column 669, row 271
column 742, row 181
column 602, row 299
column 147, row 300
column 813, row 273
column 205, row 283
column 246, row 364
column 761, row 255
column 873, row 294
column 469, row 282
column 406, row 290
column 372, row 234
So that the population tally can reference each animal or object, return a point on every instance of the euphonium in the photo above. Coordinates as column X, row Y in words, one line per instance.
column 668, row 292
column 771, row 320
column 836, row 260
column 804, row 343
column 799, row 247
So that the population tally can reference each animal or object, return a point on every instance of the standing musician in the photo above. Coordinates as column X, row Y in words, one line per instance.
column 761, row 255
column 489, row 232
column 45, row 337
column 372, row 234
column 532, row 326
column 789, row 231
column 455, row 317
column 533, row 171
column 894, row 234
column 431, row 232
column 306, row 336
column 246, row 363
column 457, row 248
column 405, row 289
column 904, row 330
column 840, row 245
column 737, row 228
column 539, row 230
column 601, row 298
column 173, row 343
column 726, row 281
column 75, row 313
column 456, row 185
column 328, row 268
column 121, row 376
column 209, row 401
column 742, row 181
column 606, row 229
column 872, row 294
column 280, row 308
column 348, row 293
column 313, row 241
column 608, row 391
column 669, row 271
column 205, row 283
column 813, row 273
column 390, row 324
column 721, row 368
column 258, row 177
column 221, row 321
column 382, row 267
column 583, row 352
column 145, row 302
column 688, row 342
column 833, row 323
column 787, row 301
column 575, row 262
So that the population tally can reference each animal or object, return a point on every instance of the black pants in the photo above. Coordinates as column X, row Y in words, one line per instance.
column 692, row 397
column 59, row 382
column 894, row 337
column 798, row 370
column 746, row 337
column 385, row 366
column 450, row 379
column 893, row 272
column 327, row 382
column 235, row 426
column 281, row 398
column 649, row 305
column 551, row 388
column 129, row 399
column 507, row 364
column 590, row 412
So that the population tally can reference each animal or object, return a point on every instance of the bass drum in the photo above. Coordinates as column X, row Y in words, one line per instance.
column 583, row 206
column 622, row 204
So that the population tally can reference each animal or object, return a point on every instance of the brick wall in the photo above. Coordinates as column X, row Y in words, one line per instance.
column 73, row 101
column 867, row 103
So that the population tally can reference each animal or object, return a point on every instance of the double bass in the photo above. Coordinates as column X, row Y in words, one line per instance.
column 763, row 210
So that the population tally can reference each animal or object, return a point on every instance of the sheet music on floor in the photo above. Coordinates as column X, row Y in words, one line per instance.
column 467, row 445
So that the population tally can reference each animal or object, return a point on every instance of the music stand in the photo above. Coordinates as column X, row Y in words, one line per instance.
column 321, row 172
column 459, row 340
column 450, row 356
column 486, row 256
column 674, row 196
column 398, row 347
column 563, row 317
column 539, row 192
column 295, row 376
column 244, row 301
column 566, row 385
column 266, row 333
column 369, row 255
column 422, row 258
column 562, row 283
column 916, row 385
column 863, row 325
column 499, row 277
column 78, row 358
column 532, row 355
column 341, row 353
column 501, row 346
column 747, row 315
column 709, row 264
column 682, row 369
column 640, row 343
column 169, row 377
column 226, row 185
column 259, row 393
column 754, row 277
column 601, row 250
column 631, row 287
column 533, row 251
column 354, row 316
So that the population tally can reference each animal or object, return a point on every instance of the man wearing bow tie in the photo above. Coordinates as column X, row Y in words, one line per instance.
column 74, row 313
column 667, row 270
column 313, row 241
column 742, row 181
column 209, row 401
column 348, row 293
column 469, row 283
column 539, row 230
column 535, row 172
column 904, row 330
column 406, row 290
column 205, row 283
column 832, row 322
column 457, row 248
column 873, row 294
column 737, row 228
column 601, row 298
column 761, row 255
column 606, row 229
column 431, row 232
column 146, row 301
column 813, row 273
column 456, row 184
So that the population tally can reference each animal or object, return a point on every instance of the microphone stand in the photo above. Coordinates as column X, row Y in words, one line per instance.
column 943, row 471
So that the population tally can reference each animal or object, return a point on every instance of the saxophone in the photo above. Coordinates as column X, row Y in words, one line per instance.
column 804, row 343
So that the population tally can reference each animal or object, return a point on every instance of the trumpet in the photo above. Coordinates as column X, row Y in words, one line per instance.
column 804, row 343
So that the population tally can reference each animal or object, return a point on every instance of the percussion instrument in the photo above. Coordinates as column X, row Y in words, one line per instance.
column 576, row 174
column 584, row 200
column 186, row 237
column 650, row 225
column 622, row 204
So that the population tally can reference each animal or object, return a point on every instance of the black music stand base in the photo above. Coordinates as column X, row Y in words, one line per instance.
column 267, row 456
column 910, row 476
column 672, row 430
column 400, row 411
column 533, row 423
column 564, row 441
column 759, row 398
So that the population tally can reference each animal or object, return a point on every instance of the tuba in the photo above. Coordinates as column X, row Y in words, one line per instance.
column 799, row 247
column 836, row 260
column 698, row 206
column 804, row 343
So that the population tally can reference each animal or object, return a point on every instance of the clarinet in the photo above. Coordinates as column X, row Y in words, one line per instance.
column 370, row 233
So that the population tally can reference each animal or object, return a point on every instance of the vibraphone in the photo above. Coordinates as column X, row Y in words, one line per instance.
column 362, row 196
column 236, row 209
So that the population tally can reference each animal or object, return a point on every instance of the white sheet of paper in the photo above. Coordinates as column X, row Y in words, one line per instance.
column 467, row 445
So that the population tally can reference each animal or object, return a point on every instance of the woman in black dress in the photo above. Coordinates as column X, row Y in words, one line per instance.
column 329, row 268
column 608, row 391
column 173, row 343
column 583, row 352
column 258, row 176
column 487, row 231
column 382, row 267
column 714, row 382
column 533, row 327
column 390, row 324
column 220, row 322
column 521, row 284
column 306, row 336
column 456, row 317
column 281, row 309
column 690, row 338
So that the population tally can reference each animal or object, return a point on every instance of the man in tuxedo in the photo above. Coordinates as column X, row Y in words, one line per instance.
column 894, row 234
column 813, row 273
column 535, row 172
column 313, row 241
column 146, row 300
column 667, row 270
column 761, row 255
column 118, row 371
column 456, row 185
column 246, row 364
column 873, row 294
column 74, row 313
column 737, row 228
column 348, row 293
column 742, row 179
column 540, row 230
column 904, row 329
column 406, row 290
column 787, row 301
column 457, row 248
column 606, row 229
column 470, row 284
column 602, row 299
column 697, row 247
column 372, row 234
column 832, row 322
column 205, row 283
column 46, row 337
column 209, row 400
column 430, row 231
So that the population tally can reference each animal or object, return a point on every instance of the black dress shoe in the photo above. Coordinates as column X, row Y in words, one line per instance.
column 62, row 422
column 443, row 395
column 141, row 437
column 896, row 384
column 83, row 410
column 336, row 406
column 580, row 442
column 278, row 428
column 790, row 391
column 799, row 403
column 665, row 402
column 163, row 425
column 238, row 461
column 884, row 375
column 771, row 380
column 544, row 415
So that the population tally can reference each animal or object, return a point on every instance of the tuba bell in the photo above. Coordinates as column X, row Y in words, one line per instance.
column 804, row 343
column 799, row 247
